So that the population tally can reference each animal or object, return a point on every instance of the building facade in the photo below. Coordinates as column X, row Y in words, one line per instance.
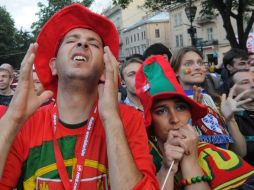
column 138, row 30
column 124, row 18
column 149, row 30
column 210, row 34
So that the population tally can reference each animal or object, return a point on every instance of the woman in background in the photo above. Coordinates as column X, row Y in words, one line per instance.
column 191, row 72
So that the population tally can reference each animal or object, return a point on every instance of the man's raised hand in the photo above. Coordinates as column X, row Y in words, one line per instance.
column 25, row 100
column 232, row 104
column 108, row 91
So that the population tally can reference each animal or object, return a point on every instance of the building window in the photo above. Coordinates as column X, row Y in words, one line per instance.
column 117, row 23
column 177, row 41
column 127, row 40
column 134, row 37
column 178, row 19
column 131, row 39
column 144, row 34
column 209, row 34
column 138, row 36
column 138, row 49
column 181, row 40
column 144, row 47
column 127, row 51
column 157, row 33
column 175, row 18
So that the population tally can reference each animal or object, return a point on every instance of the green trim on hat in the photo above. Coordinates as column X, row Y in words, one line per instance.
column 159, row 83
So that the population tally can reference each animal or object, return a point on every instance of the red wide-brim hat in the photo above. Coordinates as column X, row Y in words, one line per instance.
column 63, row 21
column 155, row 80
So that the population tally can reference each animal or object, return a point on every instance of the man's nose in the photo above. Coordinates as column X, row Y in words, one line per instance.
column 82, row 45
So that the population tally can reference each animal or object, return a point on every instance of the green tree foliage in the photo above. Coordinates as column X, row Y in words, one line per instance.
column 7, row 31
column 46, row 11
column 22, row 41
column 152, row 5
column 239, row 11
column 13, row 43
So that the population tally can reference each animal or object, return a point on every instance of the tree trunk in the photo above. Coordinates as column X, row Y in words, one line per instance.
column 224, row 11
column 226, row 14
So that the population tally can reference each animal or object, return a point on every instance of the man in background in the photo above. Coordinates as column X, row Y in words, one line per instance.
column 6, row 78
column 240, row 105
column 128, row 73
column 235, row 59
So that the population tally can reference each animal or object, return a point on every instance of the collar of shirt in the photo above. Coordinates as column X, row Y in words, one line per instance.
column 127, row 101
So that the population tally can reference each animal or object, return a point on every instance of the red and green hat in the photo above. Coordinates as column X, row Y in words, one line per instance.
column 155, row 80
column 68, row 18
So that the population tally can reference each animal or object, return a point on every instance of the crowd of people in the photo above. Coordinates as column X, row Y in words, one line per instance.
column 79, row 120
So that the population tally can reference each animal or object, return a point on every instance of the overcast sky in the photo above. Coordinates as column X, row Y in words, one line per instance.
column 23, row 11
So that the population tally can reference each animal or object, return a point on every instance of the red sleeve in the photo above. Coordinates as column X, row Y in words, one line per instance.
column 2, row 110
column 11, row 163
column 137, row 139
column 15, row 160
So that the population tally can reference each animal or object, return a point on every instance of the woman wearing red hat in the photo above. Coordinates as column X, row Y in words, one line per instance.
column 170, row 116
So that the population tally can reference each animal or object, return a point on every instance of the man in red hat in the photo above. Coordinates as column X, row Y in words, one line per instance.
column 85, row 140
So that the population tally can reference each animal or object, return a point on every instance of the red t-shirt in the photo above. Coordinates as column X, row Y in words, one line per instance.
column 2, row 110
column 31, row 163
